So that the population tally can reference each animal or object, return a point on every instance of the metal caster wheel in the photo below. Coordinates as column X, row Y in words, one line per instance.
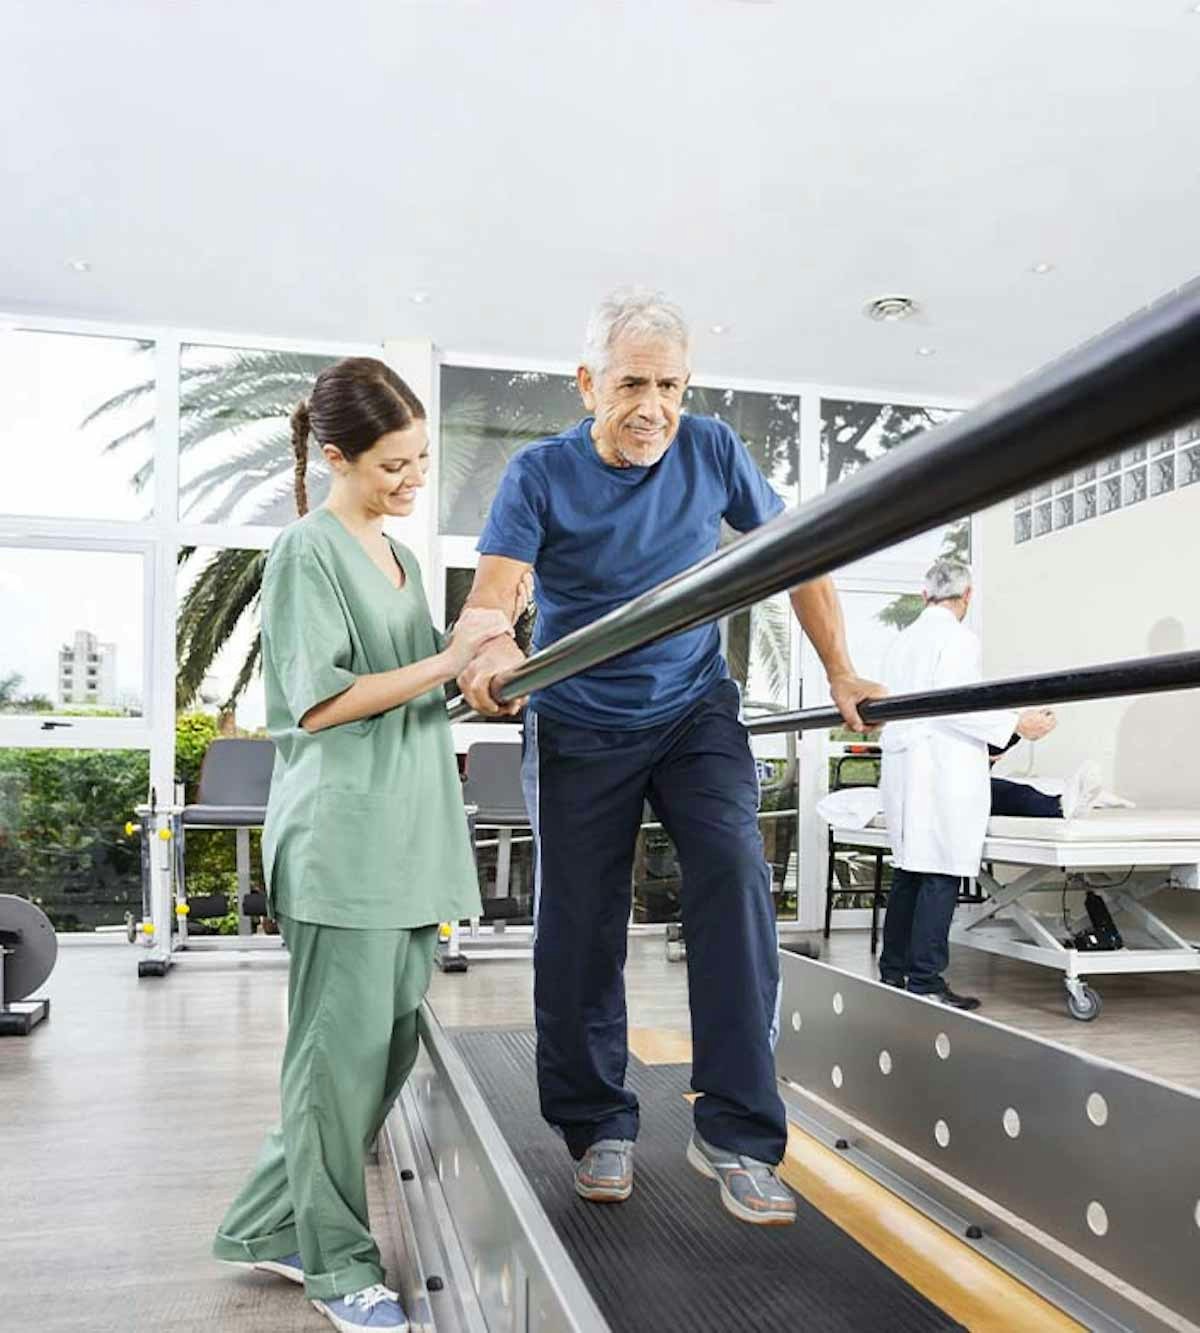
column 1084, row 1005
column 676, row 947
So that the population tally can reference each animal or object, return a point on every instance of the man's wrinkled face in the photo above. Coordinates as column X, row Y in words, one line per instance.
column 637, row 400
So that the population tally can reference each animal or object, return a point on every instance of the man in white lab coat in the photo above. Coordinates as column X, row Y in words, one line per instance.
column 935, row 786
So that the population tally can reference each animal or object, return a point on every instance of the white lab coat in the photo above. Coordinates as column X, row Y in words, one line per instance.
column 935, row 779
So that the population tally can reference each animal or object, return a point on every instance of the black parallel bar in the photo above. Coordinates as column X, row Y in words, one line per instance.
column 1129, row 383
column 1141, row 675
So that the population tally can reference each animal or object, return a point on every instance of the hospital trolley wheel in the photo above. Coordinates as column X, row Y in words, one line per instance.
column 131, row 927
column 152, row 967
column 1086, row 1006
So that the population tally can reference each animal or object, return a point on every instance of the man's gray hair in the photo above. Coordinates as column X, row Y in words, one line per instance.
column 635, row 311
column 946, row 580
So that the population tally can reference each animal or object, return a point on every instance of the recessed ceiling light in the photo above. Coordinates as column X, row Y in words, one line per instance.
column 79, row 266
column 926, row 351
column 1042, row 266
column 419, row 298
column 889, row 309
column 718, row 328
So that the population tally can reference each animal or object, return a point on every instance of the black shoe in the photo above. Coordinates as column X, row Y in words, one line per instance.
column 958, row 1001
column 898, row 982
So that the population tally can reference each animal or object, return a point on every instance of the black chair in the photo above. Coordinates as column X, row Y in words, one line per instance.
column 235, row 782
column 877, row 891
column 493, row 786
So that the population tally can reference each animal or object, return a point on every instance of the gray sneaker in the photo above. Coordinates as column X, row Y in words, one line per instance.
column 604, row 1174
column 750, row 1189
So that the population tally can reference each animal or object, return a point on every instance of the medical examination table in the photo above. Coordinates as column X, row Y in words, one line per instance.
column 1123, row 856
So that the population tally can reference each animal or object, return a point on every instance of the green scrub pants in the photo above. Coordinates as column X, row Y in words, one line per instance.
column 353, row 997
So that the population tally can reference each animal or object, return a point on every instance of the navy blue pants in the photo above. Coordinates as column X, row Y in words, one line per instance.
column 585, row 790
column 916, row 930
column 1019, row 798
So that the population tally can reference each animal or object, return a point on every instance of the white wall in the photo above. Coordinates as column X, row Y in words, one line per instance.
column 1122, row 585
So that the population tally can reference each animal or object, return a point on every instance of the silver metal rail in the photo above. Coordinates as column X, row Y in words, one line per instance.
column 1066, row 1170
column 496, row 1238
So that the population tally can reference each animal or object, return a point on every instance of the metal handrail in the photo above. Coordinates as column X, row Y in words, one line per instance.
column 1127, row 384
column 1142, row 675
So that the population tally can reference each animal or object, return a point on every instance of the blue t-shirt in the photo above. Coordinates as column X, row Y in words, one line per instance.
column 598, row 536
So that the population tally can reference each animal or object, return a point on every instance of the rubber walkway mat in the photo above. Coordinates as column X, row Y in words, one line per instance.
column 671, row 1258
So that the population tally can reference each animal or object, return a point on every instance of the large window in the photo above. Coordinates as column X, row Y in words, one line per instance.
column 488, row 416
column 235, row 439
column 854, row 434
column 91, row 436
column 76, row 425
column 73, row 632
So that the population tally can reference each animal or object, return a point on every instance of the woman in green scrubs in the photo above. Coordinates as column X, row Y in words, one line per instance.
column 365, row 844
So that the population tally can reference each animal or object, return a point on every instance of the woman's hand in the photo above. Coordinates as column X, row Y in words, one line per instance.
column 475, row 627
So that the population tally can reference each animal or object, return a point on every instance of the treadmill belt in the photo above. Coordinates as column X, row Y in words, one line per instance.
column 671, row 1257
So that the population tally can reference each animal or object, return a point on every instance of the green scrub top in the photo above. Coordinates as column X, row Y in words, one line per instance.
column 365, row 824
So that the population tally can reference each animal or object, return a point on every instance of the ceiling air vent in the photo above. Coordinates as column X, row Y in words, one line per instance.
column 890, row 308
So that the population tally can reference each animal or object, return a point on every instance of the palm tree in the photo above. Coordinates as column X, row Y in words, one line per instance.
column 245, row 397
column 854, row 434
column 484, row 427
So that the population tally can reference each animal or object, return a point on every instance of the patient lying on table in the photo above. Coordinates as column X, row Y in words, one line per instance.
column 1079, row 793
column 1039, row 798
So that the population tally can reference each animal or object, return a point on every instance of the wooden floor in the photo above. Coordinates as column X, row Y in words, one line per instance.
column 130, row 1119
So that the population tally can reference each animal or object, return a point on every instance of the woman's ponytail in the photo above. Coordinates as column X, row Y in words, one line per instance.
column 301, row 426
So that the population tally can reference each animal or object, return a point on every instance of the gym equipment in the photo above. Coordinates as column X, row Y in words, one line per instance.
column 28, row 949
column 235, row 780
column 1019, row 1146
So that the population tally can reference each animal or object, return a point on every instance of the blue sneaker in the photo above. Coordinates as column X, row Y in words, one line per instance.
column 289, row 1266
column 372, row 1308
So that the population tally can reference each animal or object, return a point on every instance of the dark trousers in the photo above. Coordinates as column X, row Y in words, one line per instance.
column 585, row 790
column 1019, row 798
column 916, row 930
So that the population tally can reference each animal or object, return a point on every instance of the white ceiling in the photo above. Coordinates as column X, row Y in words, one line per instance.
column 300, row 169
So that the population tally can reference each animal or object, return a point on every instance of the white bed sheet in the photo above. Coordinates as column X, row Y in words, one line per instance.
column 1103, row 826
column 1096, row 826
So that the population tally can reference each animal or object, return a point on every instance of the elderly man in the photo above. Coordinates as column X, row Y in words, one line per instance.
column 935, row 785
column 631, row 495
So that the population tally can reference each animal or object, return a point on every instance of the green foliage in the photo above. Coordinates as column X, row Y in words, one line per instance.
column 227, row 589
column 194, row 733
column 62, row 840
column 13, row 701
column 62, row 830
column 903, row 611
